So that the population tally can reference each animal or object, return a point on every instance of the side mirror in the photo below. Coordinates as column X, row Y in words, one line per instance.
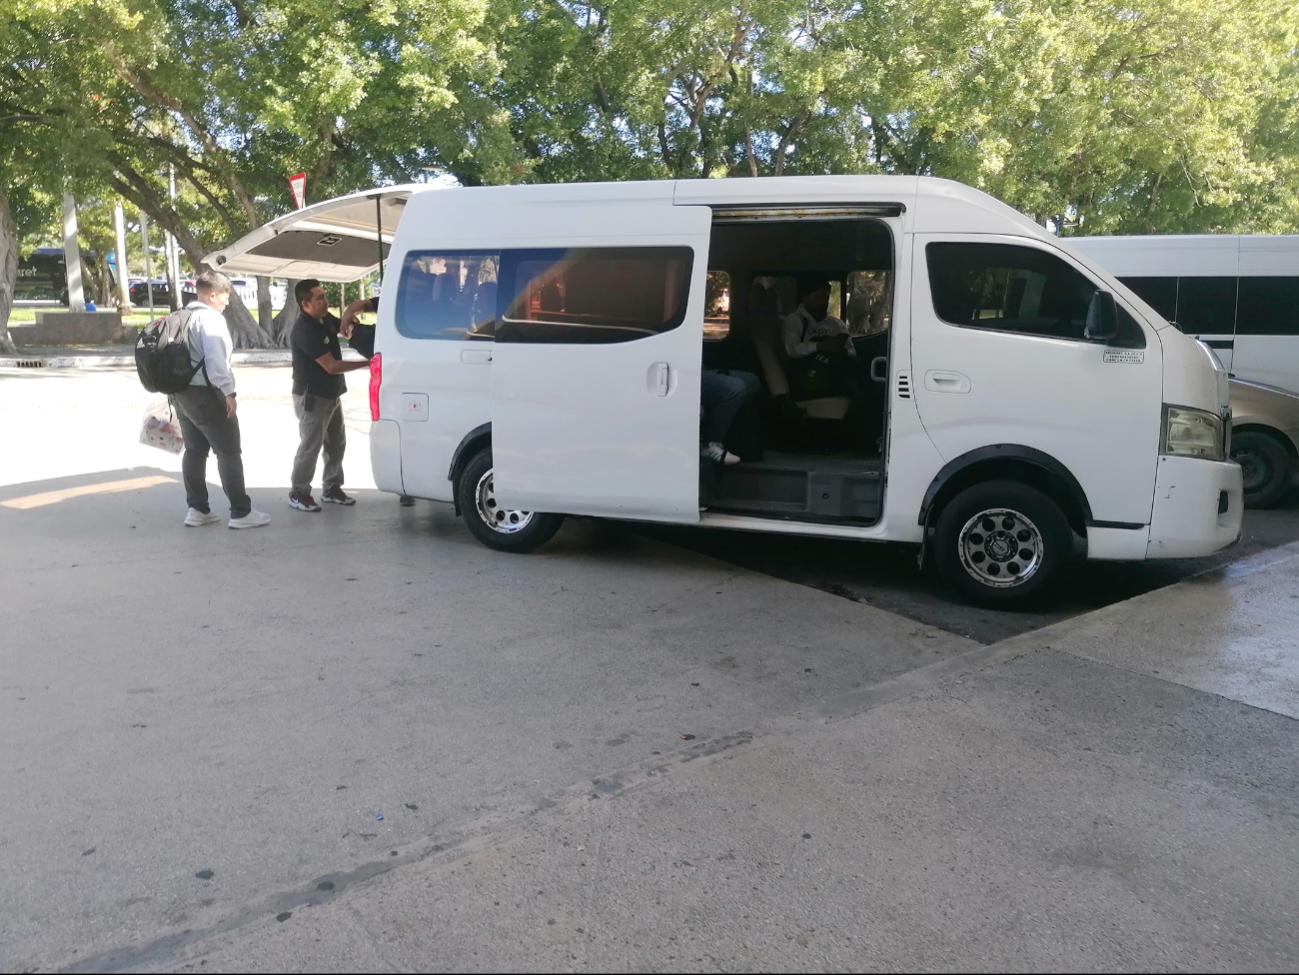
column 1102, row 318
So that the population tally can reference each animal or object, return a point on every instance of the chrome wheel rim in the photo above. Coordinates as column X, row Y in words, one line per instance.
column 503, row 520
column 1001, row 548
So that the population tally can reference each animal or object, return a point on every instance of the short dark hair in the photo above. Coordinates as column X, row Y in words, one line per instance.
column 302, row 290
column 809, row 284
column 212, row 283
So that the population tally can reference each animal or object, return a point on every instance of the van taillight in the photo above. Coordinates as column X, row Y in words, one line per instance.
column 376, row 380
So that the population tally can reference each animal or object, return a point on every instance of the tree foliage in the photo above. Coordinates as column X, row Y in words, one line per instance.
column 1098, row 116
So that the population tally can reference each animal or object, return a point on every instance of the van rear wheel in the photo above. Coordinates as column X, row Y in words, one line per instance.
column 1002, row 541
column 504, row 529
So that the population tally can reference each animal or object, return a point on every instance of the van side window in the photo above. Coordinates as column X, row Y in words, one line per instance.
column 596, row 295
column 717, row 306
column 1159, row 293
column 1268, row 306
column 447, row 295
column 1206, row 306
column 1013, row 289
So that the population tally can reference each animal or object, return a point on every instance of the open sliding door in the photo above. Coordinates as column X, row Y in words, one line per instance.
column 595, row 372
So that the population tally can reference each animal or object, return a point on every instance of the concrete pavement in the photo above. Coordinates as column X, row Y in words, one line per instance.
column 1046, row 812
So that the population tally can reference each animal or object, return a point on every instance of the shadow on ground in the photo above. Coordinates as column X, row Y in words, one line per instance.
column 886, row 575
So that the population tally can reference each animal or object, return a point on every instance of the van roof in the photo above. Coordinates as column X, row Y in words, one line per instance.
column 335, row 240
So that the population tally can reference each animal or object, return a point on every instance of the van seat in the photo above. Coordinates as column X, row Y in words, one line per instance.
column 826, row 407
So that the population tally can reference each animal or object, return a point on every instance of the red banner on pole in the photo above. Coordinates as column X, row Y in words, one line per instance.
column 299, row 186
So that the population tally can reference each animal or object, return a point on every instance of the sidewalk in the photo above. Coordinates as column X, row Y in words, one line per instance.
column 92, row 356
column 1116, row 791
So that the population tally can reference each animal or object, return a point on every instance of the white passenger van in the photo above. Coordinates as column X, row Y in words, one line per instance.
column 1239, row 294
column 540, row 350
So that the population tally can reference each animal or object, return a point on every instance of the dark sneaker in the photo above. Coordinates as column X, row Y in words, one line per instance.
column 335, row 495
column 303, row 502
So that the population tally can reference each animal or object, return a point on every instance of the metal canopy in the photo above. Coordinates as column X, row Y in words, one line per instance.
column 342, row 239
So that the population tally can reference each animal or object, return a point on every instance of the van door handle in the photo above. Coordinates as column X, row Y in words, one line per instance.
column 662, row 379
column 475, row 357
column 940, row 381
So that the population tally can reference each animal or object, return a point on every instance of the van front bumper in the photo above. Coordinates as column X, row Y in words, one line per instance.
column 1198, row 507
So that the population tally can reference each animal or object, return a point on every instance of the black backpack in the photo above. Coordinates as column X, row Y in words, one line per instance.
column 162, row 354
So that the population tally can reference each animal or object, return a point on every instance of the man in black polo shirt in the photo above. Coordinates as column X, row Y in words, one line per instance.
column 318, row 387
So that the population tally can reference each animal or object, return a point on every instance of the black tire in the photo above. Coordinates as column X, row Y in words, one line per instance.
column 494, row 527
column 982, row 560
column 1266, row 466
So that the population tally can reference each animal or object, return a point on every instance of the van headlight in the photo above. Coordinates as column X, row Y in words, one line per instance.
column 1192, row 433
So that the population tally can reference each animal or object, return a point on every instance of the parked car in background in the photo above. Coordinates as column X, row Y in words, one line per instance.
column 161, row 293
column 1264, row 439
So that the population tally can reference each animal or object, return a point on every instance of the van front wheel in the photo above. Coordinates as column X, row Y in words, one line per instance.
column 504, row 529
column 1001, row 541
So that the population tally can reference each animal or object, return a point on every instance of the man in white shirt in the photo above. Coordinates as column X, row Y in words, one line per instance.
column 206, row 410
column 811, row 328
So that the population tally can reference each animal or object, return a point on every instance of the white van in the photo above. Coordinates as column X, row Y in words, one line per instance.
column 1239, row 294
column 540, row 351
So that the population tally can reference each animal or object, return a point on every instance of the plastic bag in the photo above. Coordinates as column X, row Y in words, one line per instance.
column 160, row 427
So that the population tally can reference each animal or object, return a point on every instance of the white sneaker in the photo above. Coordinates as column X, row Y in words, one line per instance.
column 718, row 454
column 254, row 519
column 197, row 519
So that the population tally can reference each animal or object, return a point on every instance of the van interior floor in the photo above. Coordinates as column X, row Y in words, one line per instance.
column 800, row 487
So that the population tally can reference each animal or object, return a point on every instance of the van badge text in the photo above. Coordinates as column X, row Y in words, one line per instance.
column 1125, row 355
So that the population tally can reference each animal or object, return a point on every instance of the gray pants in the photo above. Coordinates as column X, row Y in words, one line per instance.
column 320, row 424
column 205, row 427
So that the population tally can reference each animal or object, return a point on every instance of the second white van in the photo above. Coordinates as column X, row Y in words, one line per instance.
column 541, row 351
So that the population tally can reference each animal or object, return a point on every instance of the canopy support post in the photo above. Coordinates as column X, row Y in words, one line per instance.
column 378, row 234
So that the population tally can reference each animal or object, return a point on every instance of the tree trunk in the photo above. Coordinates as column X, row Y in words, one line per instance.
column 265, row 313
column 8, row 271
column 283, row 323
column 245, row 331
column 243, row 327
column 173, row 279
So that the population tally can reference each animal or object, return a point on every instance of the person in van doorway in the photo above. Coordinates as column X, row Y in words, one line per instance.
column 318, row 388
column 364, row 306
column 207, row 411
column 722, row 396
column 822, row 357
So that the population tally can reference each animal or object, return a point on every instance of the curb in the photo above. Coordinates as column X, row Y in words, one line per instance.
column 90, row 361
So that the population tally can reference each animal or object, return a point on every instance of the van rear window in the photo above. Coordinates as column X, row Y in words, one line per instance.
column 447, row 295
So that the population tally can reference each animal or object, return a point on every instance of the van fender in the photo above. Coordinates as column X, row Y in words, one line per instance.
column 1036, row 465
column 468, row 446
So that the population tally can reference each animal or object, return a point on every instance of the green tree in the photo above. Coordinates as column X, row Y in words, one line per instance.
column 237, row 95
column 1153, row 115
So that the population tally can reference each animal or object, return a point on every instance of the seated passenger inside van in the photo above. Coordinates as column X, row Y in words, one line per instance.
column 822, row 359
column 722, row 397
